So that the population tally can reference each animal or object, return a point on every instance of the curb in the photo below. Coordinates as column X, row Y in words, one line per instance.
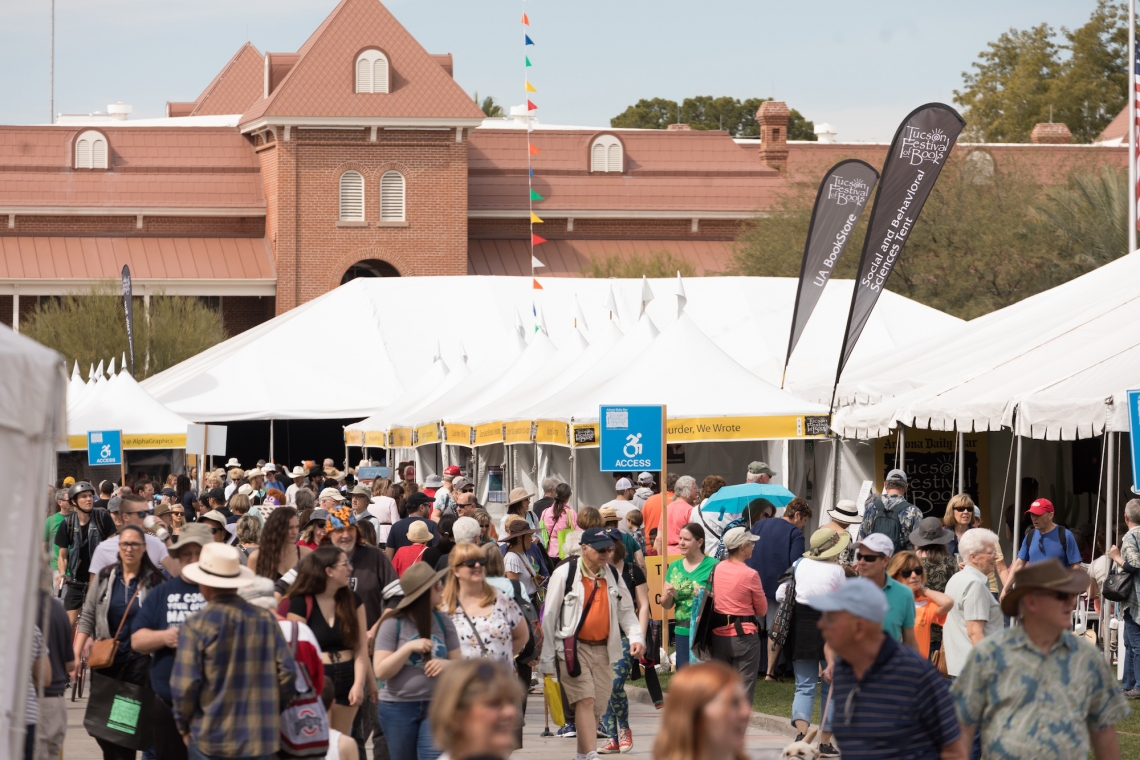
column 782, row 726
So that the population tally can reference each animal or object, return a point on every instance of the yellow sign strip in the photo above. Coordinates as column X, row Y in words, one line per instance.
column 457, row 435
column 425, row 434
column 552, row 431
column 491, row 432
column 157, row 441
column 400, row 438
column 518, row 431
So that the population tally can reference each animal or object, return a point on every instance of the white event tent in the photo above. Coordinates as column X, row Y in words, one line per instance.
column 120, row 403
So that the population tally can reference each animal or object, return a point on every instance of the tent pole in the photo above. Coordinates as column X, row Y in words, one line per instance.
column 835, row 472
column 1017, row 492
column 271, row 459
column 962, row 463
column 902, row 448
column 1110, row 517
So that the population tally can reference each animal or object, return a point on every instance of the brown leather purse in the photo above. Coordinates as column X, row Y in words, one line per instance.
column 938, row 660
column 103, row 650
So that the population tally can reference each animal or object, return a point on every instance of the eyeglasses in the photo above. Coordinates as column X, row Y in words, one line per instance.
column 963, row 509
column 347, row 565
column 861, row 557
column 132, row 545
column 910, row 571
column 1060, row 596
column 471, row 563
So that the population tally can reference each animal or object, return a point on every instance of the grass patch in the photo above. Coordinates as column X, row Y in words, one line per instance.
column 771, row 698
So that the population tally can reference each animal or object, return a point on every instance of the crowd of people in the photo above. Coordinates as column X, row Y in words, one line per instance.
column 258, row 618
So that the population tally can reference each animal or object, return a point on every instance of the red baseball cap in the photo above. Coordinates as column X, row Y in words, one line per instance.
column 451, row 471
column 1040, row 507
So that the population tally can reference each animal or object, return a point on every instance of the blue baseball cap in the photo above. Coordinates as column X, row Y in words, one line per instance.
column 858, row 596
column 597, row 538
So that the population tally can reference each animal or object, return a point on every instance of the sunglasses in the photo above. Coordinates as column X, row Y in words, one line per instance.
column 963, row 509
column 471, row 563
column 603, row 550
column 910, row 571
column 1060, row 596
column 861, row 557
column 144, row 512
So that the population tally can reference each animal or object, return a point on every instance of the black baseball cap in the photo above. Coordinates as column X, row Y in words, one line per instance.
column 597, row 538
column 419, row 498
column 217, row 494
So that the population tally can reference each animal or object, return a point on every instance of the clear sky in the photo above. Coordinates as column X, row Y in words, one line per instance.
column 859, row 66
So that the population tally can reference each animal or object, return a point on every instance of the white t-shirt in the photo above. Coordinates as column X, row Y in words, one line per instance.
column 291, row 495
column 107, row 552
column 516, row 564
column 387, row 513
column 622, row 507
column 813, row 578
column 230, row 490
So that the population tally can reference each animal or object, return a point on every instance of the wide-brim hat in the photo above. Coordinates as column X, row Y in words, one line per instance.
column 609, row 514
column 218, row 566
column 827, row 543
column 232, row 463
column 1048, row 575
column 417, row 579
column 433, row 481
column 360, row 490
column 193, row 533
column 418, row 532
column 931, row 532
column 161, row 509
column 845, row 511
column 522, row 528
column 517, row 495
column 298, row 472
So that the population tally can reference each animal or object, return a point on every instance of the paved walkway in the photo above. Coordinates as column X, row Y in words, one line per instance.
column 762, row 743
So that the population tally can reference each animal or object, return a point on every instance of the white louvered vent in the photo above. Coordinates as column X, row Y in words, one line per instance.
column 598, row 162
column 351, row 197
column 606, row 154
column 91, row 150
column 83, row 154
column 99, row 154
column 392, row 197
column 613, row 159
column 372, row 72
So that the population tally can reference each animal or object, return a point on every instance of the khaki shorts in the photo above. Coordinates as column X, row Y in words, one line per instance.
column 597, row 678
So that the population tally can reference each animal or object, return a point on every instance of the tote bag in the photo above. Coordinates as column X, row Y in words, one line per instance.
column 119, row 712
column 304, row 722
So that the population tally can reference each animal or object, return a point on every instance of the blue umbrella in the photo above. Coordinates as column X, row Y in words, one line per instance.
column 733, row 499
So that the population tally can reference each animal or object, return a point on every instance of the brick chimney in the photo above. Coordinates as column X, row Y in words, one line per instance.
column 773, row 117
column 1051, row 133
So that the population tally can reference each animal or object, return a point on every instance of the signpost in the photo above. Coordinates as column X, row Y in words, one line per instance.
column 631, row 439
column 105, row 448
column 1133, row 397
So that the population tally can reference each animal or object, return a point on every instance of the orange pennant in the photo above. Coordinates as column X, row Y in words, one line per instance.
column 536, row 285
column 526, row 20
column 533, row 150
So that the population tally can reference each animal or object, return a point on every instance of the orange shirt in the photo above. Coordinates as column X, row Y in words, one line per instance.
column 596, row 626
column 651, row 512
column 925, row 614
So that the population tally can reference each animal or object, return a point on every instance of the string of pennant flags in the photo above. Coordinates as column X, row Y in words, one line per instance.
column 532, row 150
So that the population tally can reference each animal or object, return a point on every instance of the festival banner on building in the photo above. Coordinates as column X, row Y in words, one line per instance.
column 918, row 152
column 842, row 196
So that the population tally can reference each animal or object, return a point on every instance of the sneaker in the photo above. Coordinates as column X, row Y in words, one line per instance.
column 602, row 733
column 567, row 732
column 591, row 755
column 1132, row 694
column 625, row 739
column 611, row 747
column 828, row 750
column 800, row 736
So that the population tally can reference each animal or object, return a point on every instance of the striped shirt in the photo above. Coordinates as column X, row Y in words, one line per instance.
column 232, row 673
column 900, row 710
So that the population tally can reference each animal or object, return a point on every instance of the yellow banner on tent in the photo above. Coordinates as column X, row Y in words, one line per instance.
column 399, row 438
column 518, row 431
column 375, row 438
column 425, row 434
column 151, row 441
column 491, row 432
column 354, row 437
column 552, row 431
column 746, row 428
column 457, row 435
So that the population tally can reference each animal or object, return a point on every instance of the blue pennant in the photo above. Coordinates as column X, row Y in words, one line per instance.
column 529, row 41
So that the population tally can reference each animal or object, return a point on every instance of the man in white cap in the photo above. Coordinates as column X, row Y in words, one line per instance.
column 890, row 702
column 271, row 479
column 298, row 475
column 622, row 503
column 843, row 516
column 233, row 670
column 872, row 555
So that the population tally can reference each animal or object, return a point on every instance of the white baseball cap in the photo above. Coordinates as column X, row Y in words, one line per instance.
column 878, row 543
column 623, row 484
column 645, row 479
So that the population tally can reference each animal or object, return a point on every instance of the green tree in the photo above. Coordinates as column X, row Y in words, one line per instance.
column 90, row 326
column 705, row 112
column 1090, row 215
column 657, row 113
column 655, row 264
column 1093, row 86
column 491, row 109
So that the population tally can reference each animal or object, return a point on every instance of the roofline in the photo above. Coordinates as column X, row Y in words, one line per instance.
column 612, row 214
column 128, row 211
column 170, row 286
column 357, row 121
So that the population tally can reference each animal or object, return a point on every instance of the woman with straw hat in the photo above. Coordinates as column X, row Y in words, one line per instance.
column 817, row 572
column 420, row 537
column 414, row 645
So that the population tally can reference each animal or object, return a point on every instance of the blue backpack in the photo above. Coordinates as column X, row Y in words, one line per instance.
column 721, row 553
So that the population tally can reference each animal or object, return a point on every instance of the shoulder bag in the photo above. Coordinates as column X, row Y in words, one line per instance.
column 103, row 651
column 304, row 722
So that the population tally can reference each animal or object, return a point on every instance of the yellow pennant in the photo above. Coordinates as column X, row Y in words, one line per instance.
column 530, row 87
column 534, row 218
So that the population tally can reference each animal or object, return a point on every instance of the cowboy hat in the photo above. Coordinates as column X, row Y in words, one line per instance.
column 1047, row 575
column 845, row 512
column 298, row 472
column 218, row 566
column 930, row 532
column 417, row 579
column 194, row 533
column 608, row 514
column 827, row 543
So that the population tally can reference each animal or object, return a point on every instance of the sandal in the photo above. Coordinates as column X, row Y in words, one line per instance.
column 772, row 678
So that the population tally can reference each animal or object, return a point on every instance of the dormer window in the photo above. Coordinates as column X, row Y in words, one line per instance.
column 91, row 151
column 606, row 154
column 372, row 72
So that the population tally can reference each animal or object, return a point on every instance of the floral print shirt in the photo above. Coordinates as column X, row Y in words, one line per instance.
column 494, row 630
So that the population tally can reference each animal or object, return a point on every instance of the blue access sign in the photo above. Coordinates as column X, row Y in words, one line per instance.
column 1134, row 436
column 632, row 437
column 104, row 447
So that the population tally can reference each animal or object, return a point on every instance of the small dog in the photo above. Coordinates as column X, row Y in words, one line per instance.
column 805, row 749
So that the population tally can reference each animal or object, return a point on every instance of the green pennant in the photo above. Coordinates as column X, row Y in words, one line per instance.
column 535, row 196
column 527, row 61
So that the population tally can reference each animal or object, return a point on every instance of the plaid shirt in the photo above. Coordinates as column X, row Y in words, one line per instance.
column 232, row 674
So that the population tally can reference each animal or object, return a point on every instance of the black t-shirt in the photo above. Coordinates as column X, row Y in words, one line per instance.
column 371, row 572
column 398, row 536
column 538, row 507
column 59, row 647
column 633, row 577
column 80, row 567
column 437, row 554
column 331, row 638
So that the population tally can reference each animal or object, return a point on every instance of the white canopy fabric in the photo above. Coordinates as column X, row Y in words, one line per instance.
column 1057, row 358
column 120, row 403
column 33, row 383
column 395, row 335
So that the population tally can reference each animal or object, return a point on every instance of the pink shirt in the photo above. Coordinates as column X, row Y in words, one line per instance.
column 569, row 519
column 678, row 513
column 737, row 591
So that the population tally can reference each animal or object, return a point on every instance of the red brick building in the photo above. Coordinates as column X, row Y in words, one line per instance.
column 359, row 155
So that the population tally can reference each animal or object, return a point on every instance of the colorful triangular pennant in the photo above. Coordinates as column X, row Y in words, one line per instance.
column 534, row 262
column 530, row 87
column 534, row 196
column 526, row 20
column 528, row 63
column 529, row 41
column 536, row 287
column 532, row 171
column 531, row 106
column 534, row 218
column 533, row 150
column 536, row 240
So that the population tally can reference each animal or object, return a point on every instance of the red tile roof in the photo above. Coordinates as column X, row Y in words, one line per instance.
column 1117, row 129
column 567, row 258
column 189, row 167
column 102, row 258
column 664, row 171
column 322, row 83
column 236, row 87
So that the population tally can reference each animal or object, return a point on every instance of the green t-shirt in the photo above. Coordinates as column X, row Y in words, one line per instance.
column 686, row 584
column 51, row 525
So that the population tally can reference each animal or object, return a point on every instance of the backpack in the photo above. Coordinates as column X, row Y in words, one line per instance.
column 304, row 726
column 887, row 522
column 720, row 552
column 1063, row 536
column 533, row 648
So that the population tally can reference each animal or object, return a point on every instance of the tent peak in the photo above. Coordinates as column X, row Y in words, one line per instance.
column 646, row 293
column 681, row 298
column 611, row 302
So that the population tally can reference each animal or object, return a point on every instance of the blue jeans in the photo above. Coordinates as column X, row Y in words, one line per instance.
column 682, row 645
column 407, row 730
column 803, row 703
column 196, row 754
column 1131, row 652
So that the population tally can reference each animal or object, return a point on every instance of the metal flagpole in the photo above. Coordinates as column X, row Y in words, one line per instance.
column 51, row 69
column 1017, row 489
column 1110, row 514
column 1132, row 95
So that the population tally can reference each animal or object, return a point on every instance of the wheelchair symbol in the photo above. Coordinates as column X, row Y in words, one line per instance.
column 105, row 452
column 632, row 446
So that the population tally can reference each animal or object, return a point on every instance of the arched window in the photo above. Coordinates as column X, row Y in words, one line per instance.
column 91, row 151
column 606, row 154
column 351, row 197
column 392, row 197
column 372, row 72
